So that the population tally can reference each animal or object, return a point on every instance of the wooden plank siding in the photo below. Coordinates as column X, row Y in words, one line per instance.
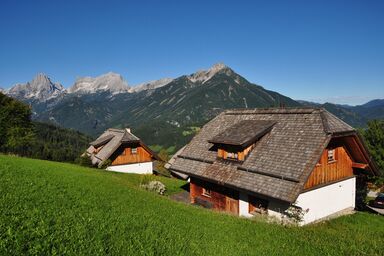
column 124, row 155
column 220, row 198
column 326, row 172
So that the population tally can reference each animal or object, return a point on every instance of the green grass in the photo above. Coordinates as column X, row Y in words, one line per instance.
column 56, row 208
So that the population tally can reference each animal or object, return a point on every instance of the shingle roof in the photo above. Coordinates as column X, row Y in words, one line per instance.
column 282, row 159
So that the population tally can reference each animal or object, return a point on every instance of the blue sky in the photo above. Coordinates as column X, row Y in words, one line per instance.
column 313, row 50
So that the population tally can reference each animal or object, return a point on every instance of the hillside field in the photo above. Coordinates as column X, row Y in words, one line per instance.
column 56, row 208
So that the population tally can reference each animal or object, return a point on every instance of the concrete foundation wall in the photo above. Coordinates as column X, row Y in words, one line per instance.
column 139, row 168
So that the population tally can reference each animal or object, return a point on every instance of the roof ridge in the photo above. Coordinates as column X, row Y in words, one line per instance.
column 115, row 130
column 128, row 132
column 329, row 125
column 290, row 110
column 324, row 121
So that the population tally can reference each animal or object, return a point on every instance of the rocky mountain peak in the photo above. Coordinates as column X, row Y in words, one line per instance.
column 40, row 88
column 110, row 81
column 203, row 76
column 40, row 78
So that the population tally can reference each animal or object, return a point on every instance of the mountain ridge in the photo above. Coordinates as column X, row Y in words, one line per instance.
column 165, row 112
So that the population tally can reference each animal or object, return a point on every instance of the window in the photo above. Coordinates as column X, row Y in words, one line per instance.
column 133, row 150
column 331, row 155
column 206, row 192
column 232, row 155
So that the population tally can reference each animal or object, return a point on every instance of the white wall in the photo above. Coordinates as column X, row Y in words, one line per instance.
column 275, row 208
column 140, row 168
column 321, row 202
column 327, row 200
column 244, row 205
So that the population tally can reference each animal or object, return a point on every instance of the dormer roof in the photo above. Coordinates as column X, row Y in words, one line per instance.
column 243, row 133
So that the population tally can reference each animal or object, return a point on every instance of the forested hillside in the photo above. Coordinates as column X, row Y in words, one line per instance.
column 58, row 144
column 19, row 135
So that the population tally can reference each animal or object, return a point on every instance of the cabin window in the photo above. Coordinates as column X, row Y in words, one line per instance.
column 232, row 155
column 206, row 192
column 331, row 155
column 133, row 151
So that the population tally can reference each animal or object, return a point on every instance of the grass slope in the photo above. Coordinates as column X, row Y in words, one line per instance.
column 56, row 208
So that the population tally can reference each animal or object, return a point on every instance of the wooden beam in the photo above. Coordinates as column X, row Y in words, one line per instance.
column 359, row 165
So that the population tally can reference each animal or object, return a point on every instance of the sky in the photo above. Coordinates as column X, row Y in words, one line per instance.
column 322, row 51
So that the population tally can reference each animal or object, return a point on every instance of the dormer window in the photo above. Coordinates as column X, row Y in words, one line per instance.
column 231, row 155
column 236, row 142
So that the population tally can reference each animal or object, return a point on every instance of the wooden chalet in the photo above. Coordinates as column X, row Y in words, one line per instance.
column 126, row 152
column 266, row 160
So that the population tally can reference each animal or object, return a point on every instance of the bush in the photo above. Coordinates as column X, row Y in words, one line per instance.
column 155, row 186
column 84, row 160
column 295, row 214
column 105, row 164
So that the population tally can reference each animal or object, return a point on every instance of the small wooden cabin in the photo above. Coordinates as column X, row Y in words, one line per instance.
column 125, row 151
column 248, row 162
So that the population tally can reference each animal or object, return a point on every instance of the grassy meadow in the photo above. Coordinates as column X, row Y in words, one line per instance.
column 56, row 208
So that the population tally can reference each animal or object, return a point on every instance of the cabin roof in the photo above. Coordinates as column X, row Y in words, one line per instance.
column 109, row 141
column 282, row 159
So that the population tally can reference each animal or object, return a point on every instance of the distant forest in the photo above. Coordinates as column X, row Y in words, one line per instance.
column 19, row 135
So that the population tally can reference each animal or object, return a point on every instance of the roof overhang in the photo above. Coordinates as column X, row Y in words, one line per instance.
column 265, row 196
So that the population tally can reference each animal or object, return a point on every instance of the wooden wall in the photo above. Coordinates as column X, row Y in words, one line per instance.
column 125, row 156
column 221, row 199
column 325, row 172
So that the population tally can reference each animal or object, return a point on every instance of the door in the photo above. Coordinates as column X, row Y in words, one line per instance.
column 232, row 205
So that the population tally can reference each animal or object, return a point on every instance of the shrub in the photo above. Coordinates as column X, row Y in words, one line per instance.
column 295, row 214
column 105, row 164
column 155, row 186
column 84, row 160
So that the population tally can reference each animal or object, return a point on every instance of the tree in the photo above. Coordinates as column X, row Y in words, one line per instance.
column 374, row 137
column 16, row 128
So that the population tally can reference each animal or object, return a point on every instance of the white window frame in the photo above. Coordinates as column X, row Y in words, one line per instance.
column 331, row 155
column 207, row 192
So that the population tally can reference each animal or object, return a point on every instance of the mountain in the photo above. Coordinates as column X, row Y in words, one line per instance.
column 357, row 116
column 166, row 112
column 151, row 85
column 41, row 88
column 112, row 82
column 371, row 110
